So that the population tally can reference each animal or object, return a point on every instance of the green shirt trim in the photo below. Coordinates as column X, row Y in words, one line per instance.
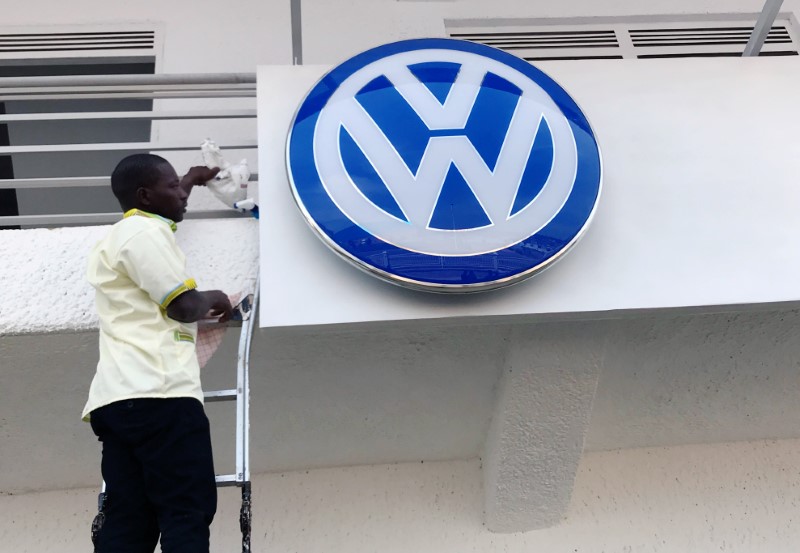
column 132, row 212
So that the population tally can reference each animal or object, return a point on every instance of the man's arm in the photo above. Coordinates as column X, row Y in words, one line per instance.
column 193, row 305
column 197, row 176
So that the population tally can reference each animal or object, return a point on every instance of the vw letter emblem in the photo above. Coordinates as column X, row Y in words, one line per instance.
column 443, row 165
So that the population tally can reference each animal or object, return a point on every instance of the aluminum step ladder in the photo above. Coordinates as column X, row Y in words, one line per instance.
column 247, row 310
column 241, row 395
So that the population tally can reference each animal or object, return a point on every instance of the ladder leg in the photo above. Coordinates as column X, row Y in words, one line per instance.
column 100, row 517
column 245, row 517
column 243, row 426
column 243, row 394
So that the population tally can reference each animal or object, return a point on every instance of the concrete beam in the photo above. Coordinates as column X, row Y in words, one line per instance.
column 540, row 420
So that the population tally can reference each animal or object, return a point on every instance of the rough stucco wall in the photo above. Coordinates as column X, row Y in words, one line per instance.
column 702, row 378
column 45, row 289
column 318, row 401
column 535, row 441
column 737, row 497
column 390, row 394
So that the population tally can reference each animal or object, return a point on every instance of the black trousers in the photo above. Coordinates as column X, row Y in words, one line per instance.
column 159, row 475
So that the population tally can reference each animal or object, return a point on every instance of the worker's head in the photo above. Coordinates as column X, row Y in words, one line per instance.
column 149, row 182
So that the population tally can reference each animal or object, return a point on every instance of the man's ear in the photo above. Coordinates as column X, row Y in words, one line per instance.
column 143, row 196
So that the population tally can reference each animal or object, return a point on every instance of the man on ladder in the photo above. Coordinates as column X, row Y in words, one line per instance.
column 145, row 401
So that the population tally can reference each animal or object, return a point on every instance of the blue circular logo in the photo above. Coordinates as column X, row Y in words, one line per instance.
column 443, row 165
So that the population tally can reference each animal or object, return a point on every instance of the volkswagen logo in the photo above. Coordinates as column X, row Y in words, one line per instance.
column 443, row 165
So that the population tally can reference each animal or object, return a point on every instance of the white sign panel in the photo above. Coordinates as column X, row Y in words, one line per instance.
column 699, row 206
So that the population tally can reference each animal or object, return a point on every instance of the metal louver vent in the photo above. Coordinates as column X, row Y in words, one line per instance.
column 617, row 40
column 21, row 44
column 550, row 44
column 707, row 41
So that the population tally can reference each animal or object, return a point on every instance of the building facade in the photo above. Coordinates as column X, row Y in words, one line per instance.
column 631, row 399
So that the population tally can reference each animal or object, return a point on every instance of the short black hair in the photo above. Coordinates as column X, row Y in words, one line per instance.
column 134, row 172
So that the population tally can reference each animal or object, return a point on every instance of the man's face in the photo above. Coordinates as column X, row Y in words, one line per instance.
column 166, row 196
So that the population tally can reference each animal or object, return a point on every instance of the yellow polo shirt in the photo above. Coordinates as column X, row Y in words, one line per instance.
column 137, row 270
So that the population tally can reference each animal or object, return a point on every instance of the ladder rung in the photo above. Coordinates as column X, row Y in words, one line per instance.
column 224, row 480
column 220, row 395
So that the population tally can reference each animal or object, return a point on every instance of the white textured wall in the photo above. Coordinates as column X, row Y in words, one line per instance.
column 394, row 394
column 43, row 270
column 733, row 498
column 535, row 441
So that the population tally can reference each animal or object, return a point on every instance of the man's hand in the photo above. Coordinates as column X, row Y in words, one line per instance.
column 221, row 308
column 198, row 176
column 193, row 305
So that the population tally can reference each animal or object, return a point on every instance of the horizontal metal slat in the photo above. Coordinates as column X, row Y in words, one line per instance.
column 76, row 33
column 220, row 395
column 119, row 146
column 559, row 46
column 510, row 47
column 545, row 38
column 698, row 28
column 105, row 218
column 688, row 36
column 499, row 42
column 62, row 182
column 175, row 95
column 521, row 36
column 78, row 38
column 224, row 480
column 112, row 80
column 67, row 182
column 671, row 43
column 73, row 43
column 128, row 88
column 608, row 52
column 714, row 32
column 117, row 115
column 704, row 40
column 709, row 48
column 529, row 33
column 581, row 57
column 130, row 48
column 736, row 54
column 132, row 55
